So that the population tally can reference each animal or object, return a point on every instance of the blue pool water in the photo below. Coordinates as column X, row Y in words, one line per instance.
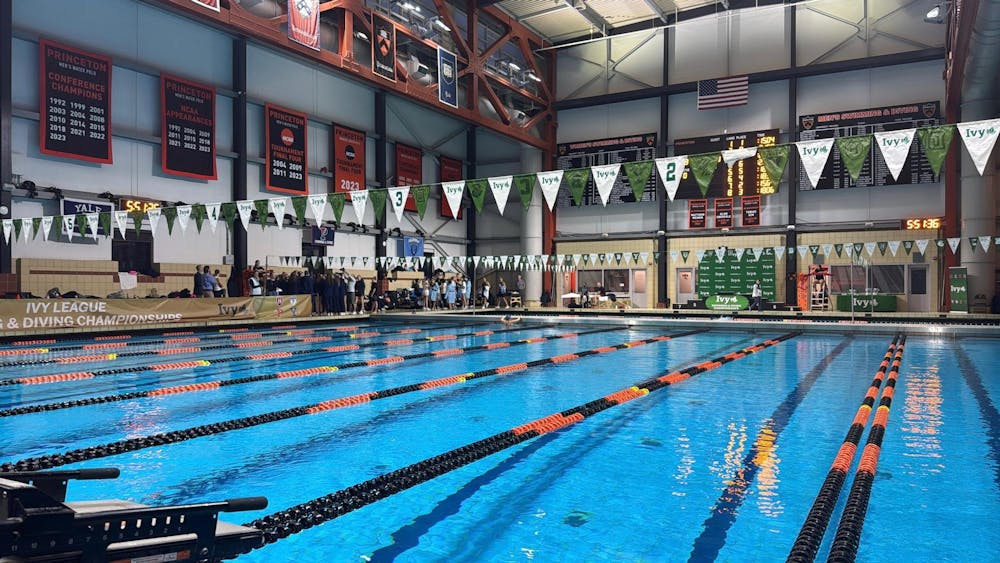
column 722, row 466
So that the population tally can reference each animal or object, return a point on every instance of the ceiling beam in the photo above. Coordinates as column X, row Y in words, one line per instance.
column 590, row 15
column 485, row 3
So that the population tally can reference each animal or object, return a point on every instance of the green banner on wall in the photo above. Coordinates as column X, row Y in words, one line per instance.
column 958, row 280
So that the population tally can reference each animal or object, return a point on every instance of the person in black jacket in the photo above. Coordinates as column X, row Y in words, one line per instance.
column 359, row 292
column 198, row 280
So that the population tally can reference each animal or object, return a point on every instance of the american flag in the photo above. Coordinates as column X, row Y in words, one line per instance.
column 723, row 92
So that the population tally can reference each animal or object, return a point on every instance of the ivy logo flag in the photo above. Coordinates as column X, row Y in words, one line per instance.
column 359, row 198
column 276, row 205
column 212, row 210
column 121, row 217
column 604, row 179
column 245, row 207
column 184, row 216
column 549, row 182
column 47, row 226
column 453, row 191
column 671, row 170
column 500, row 186
column 895, row 147
column 979, row 138
column 318, row 205
column 814, row 155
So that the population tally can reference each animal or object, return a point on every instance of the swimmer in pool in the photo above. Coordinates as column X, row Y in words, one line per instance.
column 509, row 320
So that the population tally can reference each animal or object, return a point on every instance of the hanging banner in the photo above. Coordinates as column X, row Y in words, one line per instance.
column 549, row 182
column 71, row 206
column 724, row 213
column 703, row 166
column 614, row 150
column 447, row 77
column 409, row 170
column 774, row 160
column 979, row 138
column 383, row 47
column 697, row 210
column 276, row 206
column 74, row 103
column 285, row 135
column 958, row 289
column 604, row 179
column 187, row 128
column 121, row 218
column 318, row 205
column 397, row 199
column 670, row 171
column 451, row 170
column 360, row 201
column 183, row 217
column 303, row 22
column 750, row 205
column 895, row 149
column 935, row 141
column 452, row 195
column 576, row 179
column 854, row 152
column 210, row 4
column 348, row 159
column 745, row 177
column 500, row 186
column 212, row 210
column 246, row 209
column 477, row 191
column 813, row 156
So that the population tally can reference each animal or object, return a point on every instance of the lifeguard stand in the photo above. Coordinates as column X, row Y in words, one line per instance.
column 819, row 289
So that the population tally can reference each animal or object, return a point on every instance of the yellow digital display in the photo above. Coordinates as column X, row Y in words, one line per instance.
column 920, row 224
column 132, row 204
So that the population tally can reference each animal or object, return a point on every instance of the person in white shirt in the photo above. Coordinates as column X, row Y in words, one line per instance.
column 256, row 288
column 755, row 295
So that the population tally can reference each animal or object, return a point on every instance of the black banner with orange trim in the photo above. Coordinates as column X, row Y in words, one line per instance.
column 286, row 150
column 409, row 170
column 187, row 128
column 724, row 213
column 348, row 159
column 697, row 210
column 751, row 205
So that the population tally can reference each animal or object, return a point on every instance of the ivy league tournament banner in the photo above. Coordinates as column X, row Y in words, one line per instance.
column 286, row 150
column 75, row 103
column 348, row 159
column 187, row 128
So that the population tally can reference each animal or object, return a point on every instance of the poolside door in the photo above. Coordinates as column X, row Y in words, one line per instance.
column 685, row 285
column 917, row 298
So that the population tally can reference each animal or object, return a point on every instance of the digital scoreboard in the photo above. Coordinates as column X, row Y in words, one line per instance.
column 133, row 204
column 923, row 223
column 746, row 177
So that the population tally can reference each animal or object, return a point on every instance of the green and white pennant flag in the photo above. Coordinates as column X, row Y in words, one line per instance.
column 8, row 226
column 882, row 246
column 549, row 182
column 635, row 258
column 277, row 205
column 973, row 243
column 359, row 199
column 453, row 192
column 500, row 186
column 397, row 199
column 618, row 258
column 985, row 243
column 603, row 258
column 673, row 255
column 720, row 253
column 318, row 205
column 827, row 249
column 644, row 256
column 894, row 246
column 870, row 248
column 183, row 217
column 699, row 254
column 908, row 246
column 814, row 249
column 979, row 138
column 246, row 209
column 604, row 179
column 803, row 249
column 121, row 221
column 26, row 228
column 953, row 243
column 779, row 251
column 154, row 218
column 47, row 226
column 813, row 155
column 839, row 247
column 859, row 246
column 739, row 254
column 940, row 242
column 895, row 148
column 757, row 251
column 671, row 170
column 92, row 224
column 213, row 213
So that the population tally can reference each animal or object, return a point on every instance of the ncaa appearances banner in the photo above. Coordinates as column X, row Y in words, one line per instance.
column 697, row 210
column 409, row 170
column 348, row 159
column 751, row 210
column 187, row 113
column 447, row 78
column 303, row 22
column 210, row 4
column 75, row 103
column 451, row 171
column 285, row 135
column 384, row 47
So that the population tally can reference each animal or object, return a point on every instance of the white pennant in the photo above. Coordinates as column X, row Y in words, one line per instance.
column 604, row 179
column 154, row 218
column 183, row 217
column 895, row 147
column 549, row 182
column 870, row 248
column 453, row 191
column 739, row 254
column 814, row 155
column 246, row 208
column 212, row 210
column 8, row 225
column 69, row 225
column 700, row 253
column 121, row 217
column 757, row 251
column 720, row 254
column 803, row 249
column 979, row 138
column 779, row 252
column 26, row 229
column 827, row 249
column 397, row 199
column 500, row 186
column 894, row 246
column 922, row 245
column 476, row 259
column 985, row 243
column 731, row 156
column 92, row 220
column 277, row 205
column 671, row 170
column 359, row 199
column 644, row 256
column 318, row 205
column 953, row 243
column 47, row 226
column 674, row 254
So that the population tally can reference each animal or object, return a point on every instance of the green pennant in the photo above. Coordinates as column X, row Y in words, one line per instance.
column 299, row 205
column 377, row 199
column 618, row 258
column 170, row 214
column 882, row 246
column 261, row 206
column 477, row 190
column 656, row 257
column 81, row 224
column 814, row 249
column 602, row 257
column 908, row 246
column 199, row 214
column 337, row 203
column 137, row 217
column 17, row 228
column 974, row 243
column 525, row 185
column 586, row 259
column 420, row 195
column 104, row 220
column 638, row 174
column 57, row 226
column 229, row 212
column 858, row 247
column 576, row 179
column 775, row 161
column 36, row 224
column 685, row 254
column 853, row 152
column 704, row 166
column 635, row 257
column 935, row 141
column 839, row 248
column 940, row 242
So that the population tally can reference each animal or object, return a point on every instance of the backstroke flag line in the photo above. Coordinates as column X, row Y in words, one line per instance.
column 671, row 170
column 895, row 147
column 814, row 155
column 979, row 138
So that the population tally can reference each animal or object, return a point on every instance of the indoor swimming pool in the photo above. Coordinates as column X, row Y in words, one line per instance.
column 470, row 440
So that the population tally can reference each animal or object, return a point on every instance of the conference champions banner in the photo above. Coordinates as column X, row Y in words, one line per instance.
column 187, row 128
column 285, row 134
column 451, row 171
column 348, row 159
column 447, row 77
column 384, row 47
column 74, row 103
column 751, row 210
column 697, row 210
column 409, row 170
column 303, row 22
column 20, row 315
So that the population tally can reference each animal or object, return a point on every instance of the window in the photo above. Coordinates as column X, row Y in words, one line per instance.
column 888, row 279
column 615, row 281
column 845, row 278
column 134, row 254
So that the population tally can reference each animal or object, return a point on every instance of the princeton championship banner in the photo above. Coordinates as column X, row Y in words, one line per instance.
column 697, row 210
column 47, row 314
column 74, row 103
column 187, row 128
column 451, row 171
column 348, row 159
column 303, row 22
column 750, row 205
column 724, row 213
column 384, row 47
column 285, row 135
column 210, row 4
column 447, row 77
column 409, row 170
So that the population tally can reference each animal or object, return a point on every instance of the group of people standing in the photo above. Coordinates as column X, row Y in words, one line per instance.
column 206, row 284
column 456, row 292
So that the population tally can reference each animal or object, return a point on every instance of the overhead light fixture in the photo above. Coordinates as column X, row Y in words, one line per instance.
column 55, row 191
column 937, row 13
column 530, row 75
column 409, row 7
column 514, row 67
column 29, row 187
column 362, row 36
column 438, row 23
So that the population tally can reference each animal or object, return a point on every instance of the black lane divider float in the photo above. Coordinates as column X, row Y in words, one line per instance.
column 208, row 385
column 309, row 514
column 811, row 534
column 133, row 444
column 852, row 520
column 74, row 376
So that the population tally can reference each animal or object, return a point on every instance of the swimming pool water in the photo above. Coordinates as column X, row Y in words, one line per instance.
column 723, row 466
